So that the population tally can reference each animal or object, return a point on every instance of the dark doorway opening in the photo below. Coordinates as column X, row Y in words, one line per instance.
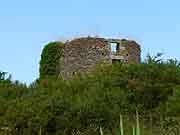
column 116, row 60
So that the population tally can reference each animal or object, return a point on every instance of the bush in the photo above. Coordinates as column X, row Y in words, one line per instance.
column 83, row 104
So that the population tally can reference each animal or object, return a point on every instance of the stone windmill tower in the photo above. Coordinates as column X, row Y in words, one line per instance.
column 82, row 54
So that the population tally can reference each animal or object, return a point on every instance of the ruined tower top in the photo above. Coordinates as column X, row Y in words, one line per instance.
column 82, row 54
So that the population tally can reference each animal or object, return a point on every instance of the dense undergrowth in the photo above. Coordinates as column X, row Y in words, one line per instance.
column 87, row 102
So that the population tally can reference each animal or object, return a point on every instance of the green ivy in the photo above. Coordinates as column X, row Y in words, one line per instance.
column 50, row 59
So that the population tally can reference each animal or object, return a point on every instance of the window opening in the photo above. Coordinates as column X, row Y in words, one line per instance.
column 114, row 47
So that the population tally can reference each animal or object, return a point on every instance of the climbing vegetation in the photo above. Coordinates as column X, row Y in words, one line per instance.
column 50, row 59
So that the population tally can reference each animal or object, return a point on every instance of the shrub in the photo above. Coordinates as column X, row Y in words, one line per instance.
column 83, row 104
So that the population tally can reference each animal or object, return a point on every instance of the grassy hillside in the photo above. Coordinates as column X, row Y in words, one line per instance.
column 87, row 102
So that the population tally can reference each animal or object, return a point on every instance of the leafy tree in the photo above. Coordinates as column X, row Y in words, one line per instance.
column 2, row 75
column 5, row 78
column 154, row 59
column 50, row 59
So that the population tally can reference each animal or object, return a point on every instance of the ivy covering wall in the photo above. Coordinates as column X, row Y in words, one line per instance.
column 50, row 59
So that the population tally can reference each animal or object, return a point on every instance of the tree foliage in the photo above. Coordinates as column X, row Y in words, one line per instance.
column 83, row 104
column 50, row 59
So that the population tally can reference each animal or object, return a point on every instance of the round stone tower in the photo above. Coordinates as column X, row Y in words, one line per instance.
column 83, row 54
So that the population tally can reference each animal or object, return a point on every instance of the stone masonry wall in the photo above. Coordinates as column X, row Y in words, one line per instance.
column 83, row 54
column 132, row 51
